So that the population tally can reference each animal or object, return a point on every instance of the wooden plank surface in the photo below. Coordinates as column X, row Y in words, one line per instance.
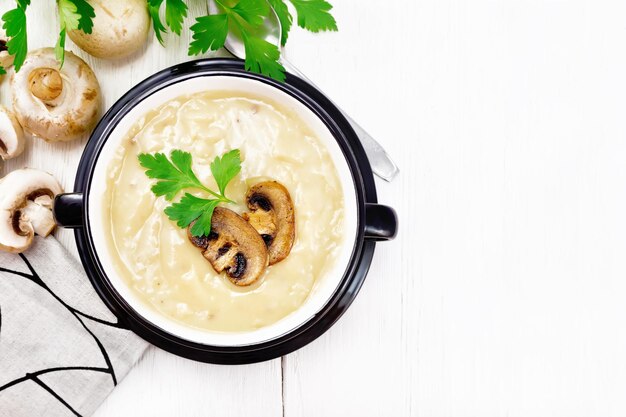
column 504, row 292
column 161, row 384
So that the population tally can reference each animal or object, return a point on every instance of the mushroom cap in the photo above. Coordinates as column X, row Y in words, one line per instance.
column 233, row 246
column 6, row 60
column 73, row 104
column 273, row 217
column 11, row 135
column 120, row 28
column 26, row 197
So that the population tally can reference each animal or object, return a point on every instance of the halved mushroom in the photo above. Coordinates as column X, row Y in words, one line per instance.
column 55, row 104
column 233, row 246
column 119, row 28
column 26, row 197
column 11, row 135
column 273, row 217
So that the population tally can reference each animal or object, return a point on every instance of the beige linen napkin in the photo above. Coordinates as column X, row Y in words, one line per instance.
column 61, row 350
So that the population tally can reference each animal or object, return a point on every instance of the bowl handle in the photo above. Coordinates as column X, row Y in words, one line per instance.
column 68, row 210
column 381, row 222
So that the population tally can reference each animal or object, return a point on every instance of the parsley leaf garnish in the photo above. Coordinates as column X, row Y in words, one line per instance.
column 173, row 175
column 59, row 47
column 226, row 168
column 15, row 28
column 209, row 32
column 314, row 15
column 246, row 17
column 73, row 15
column 176, row 174
column 191, row 208
column 175, row 14
column 262, row 57
column 251, row 11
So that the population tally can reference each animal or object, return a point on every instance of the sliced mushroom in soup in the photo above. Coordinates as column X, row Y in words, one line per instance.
column 273, row 216
column 233, row 246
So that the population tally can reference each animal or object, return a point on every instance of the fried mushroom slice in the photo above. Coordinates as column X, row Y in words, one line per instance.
column 26, row 197
column 272, row 216
column 233, row 246
column 55, row 104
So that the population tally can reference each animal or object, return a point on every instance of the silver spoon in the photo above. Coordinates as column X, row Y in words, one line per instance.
column 381, row 163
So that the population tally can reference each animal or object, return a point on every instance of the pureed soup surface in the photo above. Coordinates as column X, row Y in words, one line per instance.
column 154, row 256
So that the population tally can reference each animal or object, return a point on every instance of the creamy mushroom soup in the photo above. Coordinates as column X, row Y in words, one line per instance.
column 155, row 257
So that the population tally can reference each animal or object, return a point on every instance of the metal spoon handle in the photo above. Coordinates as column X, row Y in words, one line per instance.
column 381, row 163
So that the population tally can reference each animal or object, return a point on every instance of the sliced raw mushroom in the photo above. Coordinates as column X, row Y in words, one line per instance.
column 26, row 197
column 11, row 135
column 233, row 246
column 120, row 28
column 272, row 216
column 55, row 104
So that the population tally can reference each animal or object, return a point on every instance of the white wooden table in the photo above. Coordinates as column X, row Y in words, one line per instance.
column 504, row 292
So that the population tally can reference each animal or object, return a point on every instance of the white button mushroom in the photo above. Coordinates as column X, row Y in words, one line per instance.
column 55, row 104
column 26, row 197
column 11, row 135
column 120, row 28
column 6, row 60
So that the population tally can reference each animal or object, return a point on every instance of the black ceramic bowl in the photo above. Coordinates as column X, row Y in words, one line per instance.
column 373, row 222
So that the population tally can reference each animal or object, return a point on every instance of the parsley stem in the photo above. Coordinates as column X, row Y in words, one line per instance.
column 213, row 193
column 220, row 197
column 225, row 8
column 225, row 200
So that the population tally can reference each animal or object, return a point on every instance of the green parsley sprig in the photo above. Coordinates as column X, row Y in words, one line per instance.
column 175, row 14
column 247, row 16
column 314, row 15
column 73, row 14
column 14, row 24
column 176, row 174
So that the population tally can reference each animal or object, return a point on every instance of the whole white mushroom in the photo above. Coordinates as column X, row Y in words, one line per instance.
column 120, row 28
column 6, row 60
column 55, row 104
column 26, row 197
column 11, row 135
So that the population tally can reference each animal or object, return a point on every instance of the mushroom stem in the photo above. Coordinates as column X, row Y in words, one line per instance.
column 39, row 217
column 46, row 84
